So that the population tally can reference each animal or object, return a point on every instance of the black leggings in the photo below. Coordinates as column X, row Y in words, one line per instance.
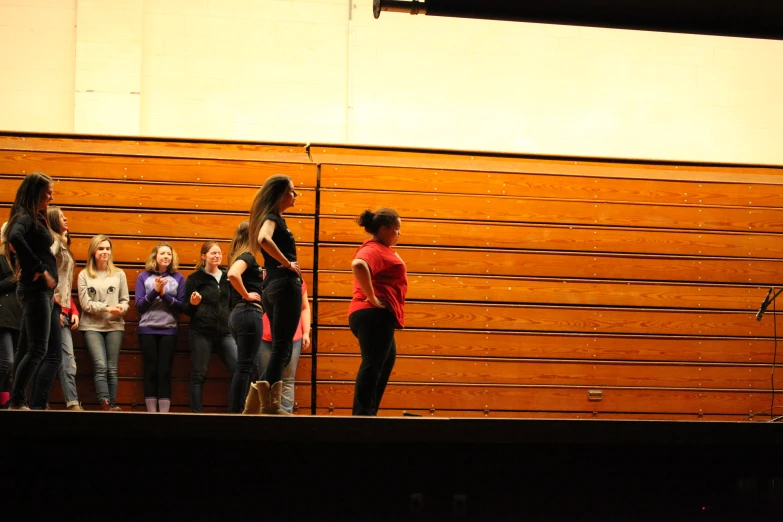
column 282, row 299
column 374, row 327
column 158, row 354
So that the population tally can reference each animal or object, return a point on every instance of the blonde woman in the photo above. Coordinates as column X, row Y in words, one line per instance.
column 160, row 293
column 246, row 322
column 103, row 295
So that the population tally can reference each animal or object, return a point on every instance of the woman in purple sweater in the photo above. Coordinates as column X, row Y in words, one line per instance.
column 160, row 293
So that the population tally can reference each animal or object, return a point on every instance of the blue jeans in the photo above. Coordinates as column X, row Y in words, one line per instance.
column 68, row 369
column 33, row 339
column 282, row 300
column 289, row 372
column 104, row 348
column 201, row 346
column 9, row 339
column 247, row 327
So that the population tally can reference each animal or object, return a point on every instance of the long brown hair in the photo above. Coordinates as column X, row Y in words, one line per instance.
column 152, row 259
column 240, row 243
column 28, row 197
column 91, row 268
column 266, row 201
column 53, row 215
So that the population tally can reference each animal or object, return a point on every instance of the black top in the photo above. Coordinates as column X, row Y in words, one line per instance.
column 211, row 314
column 32, row 242
column 285, row 241
column 252, row 278
column 10, row 311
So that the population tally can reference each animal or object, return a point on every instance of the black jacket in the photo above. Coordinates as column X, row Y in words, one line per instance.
column 10, row 311
column 32, row 242
column 211, row 314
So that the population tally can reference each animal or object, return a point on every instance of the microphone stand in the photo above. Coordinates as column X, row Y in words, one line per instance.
column 770, row 298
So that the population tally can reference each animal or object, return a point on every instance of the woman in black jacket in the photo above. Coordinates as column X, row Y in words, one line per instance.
column 29, row 234
column 10, row 321
column 207, row 292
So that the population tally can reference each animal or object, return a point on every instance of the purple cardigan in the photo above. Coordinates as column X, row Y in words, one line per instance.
column 159, row 314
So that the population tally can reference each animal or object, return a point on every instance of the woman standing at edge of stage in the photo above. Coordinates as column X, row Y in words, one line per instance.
column 245, row 322
column 30, row 236
column 377, row 308
column 103, row 294
column 207, row 294
column 160, row 293
column 10, row 320
column 282, row 296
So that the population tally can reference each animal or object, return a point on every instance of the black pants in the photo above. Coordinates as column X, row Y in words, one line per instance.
column 374, row 328
column 49, row 368
column 282, row 298
column 247, row 326
column 158, row 354
column 33, row 339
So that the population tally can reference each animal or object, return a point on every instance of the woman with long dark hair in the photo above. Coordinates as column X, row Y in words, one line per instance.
column 29, row 234
column 10, row 320
column 160, row 293
column 207, row 294
column 377, row 308
column 245, row 321
column 282, row 295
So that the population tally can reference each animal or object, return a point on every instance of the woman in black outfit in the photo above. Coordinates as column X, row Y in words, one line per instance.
column 29, row 234
column 282, row 296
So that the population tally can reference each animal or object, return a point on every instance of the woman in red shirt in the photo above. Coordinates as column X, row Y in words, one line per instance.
column 377, row 309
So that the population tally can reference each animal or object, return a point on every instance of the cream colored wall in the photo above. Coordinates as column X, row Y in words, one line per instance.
column 37, row 40
column 299, row 70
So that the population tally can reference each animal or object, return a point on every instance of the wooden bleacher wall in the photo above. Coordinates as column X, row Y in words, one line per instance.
column 538, row 287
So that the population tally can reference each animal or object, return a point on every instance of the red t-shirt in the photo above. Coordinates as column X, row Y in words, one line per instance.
column 389, row 279
column 299, row 329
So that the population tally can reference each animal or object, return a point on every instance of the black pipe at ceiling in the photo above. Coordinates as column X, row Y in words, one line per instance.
column 745, row 18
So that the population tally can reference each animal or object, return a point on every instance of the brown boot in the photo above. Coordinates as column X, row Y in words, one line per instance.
column 104, row 405
column 252, row 402
column 275, row 402
column 264, row 395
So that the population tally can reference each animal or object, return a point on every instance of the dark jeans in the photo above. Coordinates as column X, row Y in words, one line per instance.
column 247, row 327
column 201, row 346
column 9, row 340
column 374, row 328
column 282, row 299
column 33, row 339
column 49, row 368
column 158, row 354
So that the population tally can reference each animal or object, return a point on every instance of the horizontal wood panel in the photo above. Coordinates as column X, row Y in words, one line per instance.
column 284, row 152
column 554, row 399
column 573, row 265
column 505, row 290
column 201, row 226
column 133, row 168
column 154, row 195
column 494, row 208
column 559, row 346
column 442, row 233
column 443, row 370
column 189, row 252
column 561, row 319
column 131, row 392
column 483, row 162
column 549, row 186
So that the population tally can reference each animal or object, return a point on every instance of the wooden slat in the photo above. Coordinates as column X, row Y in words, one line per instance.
column 132, row 168
column 595, row 167
column 449, row 370
column 560, row 346
column 561, row 319
column 189, row 252
column 550, row 186
column 571, row 265
column 282, row 152
column 496, row 208
column 518, row 290
column 443, row 233
column 552, row 399
column 154, row 196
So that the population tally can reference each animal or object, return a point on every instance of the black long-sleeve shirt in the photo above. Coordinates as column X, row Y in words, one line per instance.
column 32, row 243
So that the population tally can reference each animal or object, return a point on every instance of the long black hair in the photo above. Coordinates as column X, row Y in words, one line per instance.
column 28, row 197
